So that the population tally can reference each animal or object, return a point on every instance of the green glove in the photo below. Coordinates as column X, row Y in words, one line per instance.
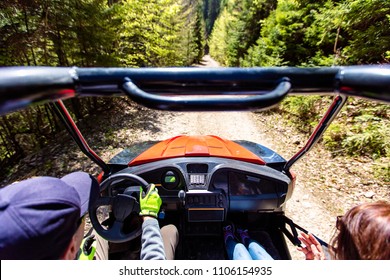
column 87, row 248
column 150, row 204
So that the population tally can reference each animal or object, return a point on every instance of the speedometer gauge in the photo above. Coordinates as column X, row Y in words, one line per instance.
column 170, row 180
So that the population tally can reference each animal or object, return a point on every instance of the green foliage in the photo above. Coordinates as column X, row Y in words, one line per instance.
column 93, row 33
column 292, row 35
column 362, row 129
column 56, row 33
column 367, row 26
column 261, row 55
column 382, row 169
column 304, row 110
column 237, row 28
column 159, row 33
column 334, row 136
column 198, row 37
column 317, row 33
column 314, row 33
column 89, row 33
column 364, row 133
column 243, row 33
column 369, row 135
column 218, row 38
column 211, row 10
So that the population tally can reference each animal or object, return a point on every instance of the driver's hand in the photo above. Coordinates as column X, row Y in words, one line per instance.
column 150, row 204
column 87, row 248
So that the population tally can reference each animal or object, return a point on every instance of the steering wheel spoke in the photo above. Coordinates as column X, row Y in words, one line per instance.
column 104, row 201
column 123, row 206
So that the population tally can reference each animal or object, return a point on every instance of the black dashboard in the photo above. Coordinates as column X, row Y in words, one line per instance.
column 207, row 188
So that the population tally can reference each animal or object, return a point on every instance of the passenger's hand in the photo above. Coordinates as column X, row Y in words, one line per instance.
column 312, row 248
column 150, row 204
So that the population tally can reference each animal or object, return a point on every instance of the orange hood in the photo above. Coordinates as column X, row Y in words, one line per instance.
column 196, row 146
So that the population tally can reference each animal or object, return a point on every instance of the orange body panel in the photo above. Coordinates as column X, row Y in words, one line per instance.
column 196, row 146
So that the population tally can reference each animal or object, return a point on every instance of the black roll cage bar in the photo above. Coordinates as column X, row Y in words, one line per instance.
column 191, row 89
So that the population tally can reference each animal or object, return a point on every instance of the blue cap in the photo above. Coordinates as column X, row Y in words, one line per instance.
column 39, row 216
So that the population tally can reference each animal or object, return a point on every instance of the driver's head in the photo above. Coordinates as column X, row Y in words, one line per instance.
column 41, row 216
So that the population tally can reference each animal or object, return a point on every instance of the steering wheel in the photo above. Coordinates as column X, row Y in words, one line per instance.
column 125, row 209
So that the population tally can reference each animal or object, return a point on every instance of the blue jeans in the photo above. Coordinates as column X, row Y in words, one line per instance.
column 253, row 251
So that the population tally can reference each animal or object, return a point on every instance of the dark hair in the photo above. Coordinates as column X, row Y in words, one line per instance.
column 363, row 233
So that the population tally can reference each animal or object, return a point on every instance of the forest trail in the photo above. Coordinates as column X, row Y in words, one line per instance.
column 229, row 125
column 207, row 61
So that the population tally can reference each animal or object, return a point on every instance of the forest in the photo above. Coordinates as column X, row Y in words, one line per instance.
column 163, row 33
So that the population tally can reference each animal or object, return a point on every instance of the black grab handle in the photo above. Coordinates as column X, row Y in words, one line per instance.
column 230, row 101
